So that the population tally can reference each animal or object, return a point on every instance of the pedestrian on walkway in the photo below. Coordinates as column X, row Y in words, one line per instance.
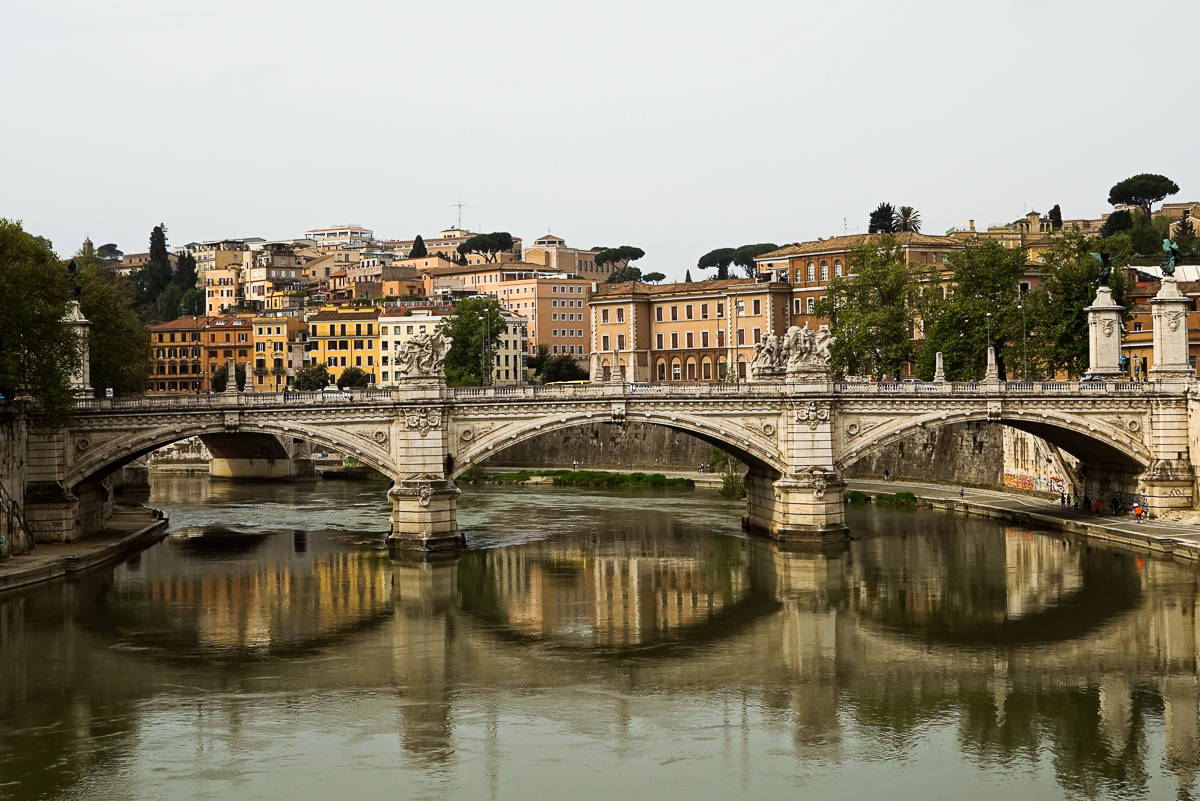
column 1097, row 508
column 887, row 477
column 962, row 492
column 1113, row 504
column 1074, row 502
column 575, row 465
column 1137, row 512
column 1062, row 498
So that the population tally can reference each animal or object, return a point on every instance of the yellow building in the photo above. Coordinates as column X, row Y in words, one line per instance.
column 341, row 337
column 279, row 351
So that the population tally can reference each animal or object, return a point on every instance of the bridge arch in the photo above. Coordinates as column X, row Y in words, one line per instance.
column 1087, row 438
column 105, row 457
column 752, row 447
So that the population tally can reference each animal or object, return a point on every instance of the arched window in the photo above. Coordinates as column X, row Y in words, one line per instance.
column 706, row 370
column 662, row 370
column 676, row 373
column 824, row 271
column 837, row 268
column 812, row 271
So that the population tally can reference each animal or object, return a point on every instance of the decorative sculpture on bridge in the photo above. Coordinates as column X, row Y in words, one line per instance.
column 422, row 356
column 1106, row 269
column 1174, row 254
column 802, row 351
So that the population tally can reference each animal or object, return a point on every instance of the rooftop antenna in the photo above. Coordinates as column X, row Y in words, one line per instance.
column 459, row 205
column 845, row 227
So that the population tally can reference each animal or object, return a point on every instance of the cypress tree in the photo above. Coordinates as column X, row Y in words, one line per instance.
column 419, row 251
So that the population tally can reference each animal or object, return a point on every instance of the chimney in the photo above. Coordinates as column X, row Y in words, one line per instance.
column 972, row 225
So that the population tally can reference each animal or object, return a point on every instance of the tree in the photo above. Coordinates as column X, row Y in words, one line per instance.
column 1055, row 218
column 986, row 282
column 538, row 361
column 906, row 219
column 687, row 277
column 1142, row 191
column 313, row 377
column 487, row 244
column 419, row 251
column 355, row 378
column 1185, row 235
column 872, row 314
column 109, row 252
column 119, row 351
column 1118, row 222
column 563, row 367
column 623, row 274
column 155, row 275
column 185, row 272
column 469, row 352
column 618, row 257
column 881, row 220
column 220, row 379
column 720, row 258
column 745, row 255
column 39, row 351
column 653, row 278
column 1058, row 339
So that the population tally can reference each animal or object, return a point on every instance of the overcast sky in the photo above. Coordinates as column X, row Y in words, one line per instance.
column 674, row 126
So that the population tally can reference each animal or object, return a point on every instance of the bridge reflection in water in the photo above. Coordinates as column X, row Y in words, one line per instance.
column 1020, row 644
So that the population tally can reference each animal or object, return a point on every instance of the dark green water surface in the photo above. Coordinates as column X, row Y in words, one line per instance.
column 596, row 645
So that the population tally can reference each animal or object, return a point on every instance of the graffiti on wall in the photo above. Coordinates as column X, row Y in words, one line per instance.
column 1036, row 483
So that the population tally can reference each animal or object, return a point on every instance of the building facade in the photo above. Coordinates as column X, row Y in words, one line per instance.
column 341, row 337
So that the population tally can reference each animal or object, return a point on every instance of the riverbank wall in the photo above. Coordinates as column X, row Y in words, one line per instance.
column 963, row 453
column 15, row 536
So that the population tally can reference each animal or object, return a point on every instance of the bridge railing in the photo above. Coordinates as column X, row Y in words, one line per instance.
column 1018, row 388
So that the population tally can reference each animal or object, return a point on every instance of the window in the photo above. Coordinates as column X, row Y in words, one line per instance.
column 837, row 268
column 757, row 335
column 741, row 336
column 720, row 338
column 658, row 317
column 621, row 314
column 658, row 341
column 720, row 310
column 687, row 311
column 674, row 312
column 757, row 306
column 675, row 374
column 662, row 371
column 824, row 271
column 690, row 339
column 604, row 315
column 674, row 339
column 604, row 342
column 704, row 339
column 812, row 302
column 812, row 271
column 1137, row 326
column 703, row 311
column 620, row 342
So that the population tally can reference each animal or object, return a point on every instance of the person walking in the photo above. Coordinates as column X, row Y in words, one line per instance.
column 1137, row 512
column 1074, row 503
column 962, row 493
column 887, row 477
column 1062, row 498
column 575, row 465
column 1096, row 507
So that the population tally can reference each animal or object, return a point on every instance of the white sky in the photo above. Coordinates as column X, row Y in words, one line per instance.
column 674, row 126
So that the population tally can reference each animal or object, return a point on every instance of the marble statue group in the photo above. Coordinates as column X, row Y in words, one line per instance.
column 800, row 350
column 422, row 355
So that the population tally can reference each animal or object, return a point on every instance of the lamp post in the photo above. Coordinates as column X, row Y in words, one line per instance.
column 1024, row 344
column 485, row 320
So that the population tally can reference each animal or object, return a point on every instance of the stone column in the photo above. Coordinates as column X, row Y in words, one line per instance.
column 231, row 377
column 249, row 376
column 992, row 374
column 1104, row 337
column 1170, row 310
column 81, row 381
column 939, row 372
column 424, row 498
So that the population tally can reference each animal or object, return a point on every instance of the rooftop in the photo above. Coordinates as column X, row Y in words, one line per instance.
column 841, row 243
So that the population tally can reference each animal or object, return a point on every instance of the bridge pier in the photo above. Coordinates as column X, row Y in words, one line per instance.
column 424, row 497
column 57, row 514
column 804, row 508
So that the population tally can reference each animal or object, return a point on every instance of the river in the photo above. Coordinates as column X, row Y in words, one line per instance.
column 597, row 644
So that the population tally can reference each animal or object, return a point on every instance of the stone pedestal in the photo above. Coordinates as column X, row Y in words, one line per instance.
column 1170, row 310
column 804, row 508
column 992, row 373
column 81, row 381
column 1104, row 337
column 939, row 370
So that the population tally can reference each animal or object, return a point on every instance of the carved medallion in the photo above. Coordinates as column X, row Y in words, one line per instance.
column 423, row 420
column 814, row 414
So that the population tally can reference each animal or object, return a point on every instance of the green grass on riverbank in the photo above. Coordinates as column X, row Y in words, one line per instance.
column 595, row 478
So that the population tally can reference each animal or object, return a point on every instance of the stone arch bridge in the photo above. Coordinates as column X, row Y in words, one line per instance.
column 795, row 437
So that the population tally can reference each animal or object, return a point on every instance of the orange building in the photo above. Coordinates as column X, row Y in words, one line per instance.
column 187, row 352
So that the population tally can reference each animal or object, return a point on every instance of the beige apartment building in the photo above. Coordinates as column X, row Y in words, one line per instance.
column 810, row 266
column 556, row 308
column 446, row 244
column 684, row 332
column 398, row 325
column 551, row 252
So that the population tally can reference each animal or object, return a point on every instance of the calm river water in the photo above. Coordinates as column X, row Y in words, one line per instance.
column 594, row 645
